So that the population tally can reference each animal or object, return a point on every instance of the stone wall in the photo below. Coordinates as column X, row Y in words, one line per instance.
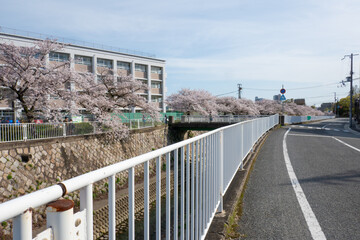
column 33, row 165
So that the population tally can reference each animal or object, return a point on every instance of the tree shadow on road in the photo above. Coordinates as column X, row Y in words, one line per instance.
column 352, row 176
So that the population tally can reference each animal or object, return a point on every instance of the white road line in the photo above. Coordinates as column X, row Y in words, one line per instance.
column 327, row 129
column 336, row 130
column 308, row 135
column 318, row 128
column 301, row 126
column 312, row 222
column 346, row 131
column 356, row 149
column 310, row 127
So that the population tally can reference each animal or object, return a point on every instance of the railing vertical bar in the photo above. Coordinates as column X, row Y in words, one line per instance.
column 146, row 202
column 158, row 198
column 176, row 193
column 131, row 181
column 197, row 190
column 22, row 226
column 168, row 196
column 86, row 202
column 188, row 192
column 202, row 186
column 221, row 169
column 192, row 191
column 207, row 178
column 112, row 197
column 211, row 176
column 182, row 195
column 242, row 146
column 216, row 169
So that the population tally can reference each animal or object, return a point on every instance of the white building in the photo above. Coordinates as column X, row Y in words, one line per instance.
column 94, row 58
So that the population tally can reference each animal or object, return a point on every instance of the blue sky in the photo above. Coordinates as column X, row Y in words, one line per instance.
column 214, row 45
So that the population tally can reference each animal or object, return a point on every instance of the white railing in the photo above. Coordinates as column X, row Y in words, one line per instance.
column 12, row 132
column 301, row 119
column 224, row 118
column 201, row 168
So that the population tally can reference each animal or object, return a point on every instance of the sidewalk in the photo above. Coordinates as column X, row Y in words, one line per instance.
column 355, row 129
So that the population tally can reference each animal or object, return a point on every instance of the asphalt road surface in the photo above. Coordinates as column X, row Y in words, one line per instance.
column 305, row 185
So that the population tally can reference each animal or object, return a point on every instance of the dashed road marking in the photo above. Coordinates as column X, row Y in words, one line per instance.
column 308, row 135
column 310, row 218
column 322, row 128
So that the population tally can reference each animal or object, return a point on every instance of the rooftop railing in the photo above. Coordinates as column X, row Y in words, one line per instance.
column 74, row 42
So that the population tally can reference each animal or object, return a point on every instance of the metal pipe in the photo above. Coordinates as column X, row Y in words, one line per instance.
column 112, row 209
column 22, row 226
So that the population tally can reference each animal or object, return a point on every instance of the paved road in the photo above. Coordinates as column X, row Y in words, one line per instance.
column 322, row 199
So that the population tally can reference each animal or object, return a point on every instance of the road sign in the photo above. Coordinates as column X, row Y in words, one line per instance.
column 282, row 91
column 282, row 98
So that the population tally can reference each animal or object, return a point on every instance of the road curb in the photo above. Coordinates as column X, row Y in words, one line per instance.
column 346, row 126
column 224, row 222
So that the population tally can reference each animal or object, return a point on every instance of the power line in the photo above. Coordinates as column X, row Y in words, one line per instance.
column 226, row 93
column 316, row 86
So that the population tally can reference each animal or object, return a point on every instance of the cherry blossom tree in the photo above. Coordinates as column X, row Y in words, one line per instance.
column 269, row 107
column 190, row 101
column 28, row 79
column 42, row 88
column 202, row 102
column 109, row 97
column 234, row 106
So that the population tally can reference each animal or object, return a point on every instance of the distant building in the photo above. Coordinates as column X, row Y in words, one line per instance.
column 300, row 101
column 257, row 99
column 277, row 97
column 325, row 107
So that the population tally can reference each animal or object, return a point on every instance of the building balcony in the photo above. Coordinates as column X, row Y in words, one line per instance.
column 156, row 91
column 156, row 76
column 140, row 74
column 83, row 68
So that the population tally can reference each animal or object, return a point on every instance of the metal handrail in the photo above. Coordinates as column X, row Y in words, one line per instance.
column 13, row 132
column 216, row 158
column 300, row 119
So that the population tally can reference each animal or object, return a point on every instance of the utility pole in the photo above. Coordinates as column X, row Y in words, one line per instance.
column 239, row 90
column 350, row 79
column 335, row 104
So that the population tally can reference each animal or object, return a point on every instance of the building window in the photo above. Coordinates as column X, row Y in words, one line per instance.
column 156, row 99
column 104, row 63
column 83, row 60
column 157, row 70
column 58, row 57
column 155, row 85
column 140, row 68
column 100, row 78
column 123, row 65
